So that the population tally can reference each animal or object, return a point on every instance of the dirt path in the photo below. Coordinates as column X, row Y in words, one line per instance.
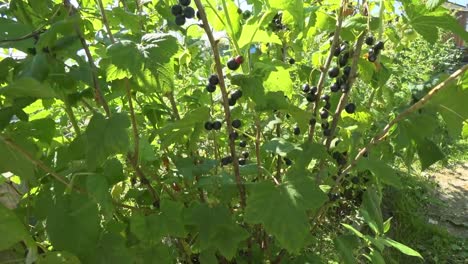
column 452, row 190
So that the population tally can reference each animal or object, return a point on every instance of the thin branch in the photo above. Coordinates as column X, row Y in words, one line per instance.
column 279, row 257
column 104, row 20
column 227, row 111
column 326, row 66
column 257, row 146
column 170, row 95
column 136, row 137
column 71, row 116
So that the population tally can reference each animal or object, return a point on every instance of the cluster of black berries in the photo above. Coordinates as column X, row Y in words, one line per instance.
column 182, row 11
column 216, row 125
column 234, row 63
column 242, row 160
column 340, row 157
column 276, row 23
column 236, row 123
column 311, row 92
column 375, row 50
column 234, row 96
column 213, row 80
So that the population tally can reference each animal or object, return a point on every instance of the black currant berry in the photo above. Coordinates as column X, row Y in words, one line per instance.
column 180, row 20
column 335, row 87
column 243, row 144
column 350, row 108
column 232, row 64
column 312, row 121
column 239, row 11
column 325, row 97
column 325, row 125
column 333, row 196
column 347, row 71
column 226, row 160
column 236, row 94
column 297, row 131
column 327, row 105
column 133, row 181
column 245, row 154
column 370, row 40
column 314, row 89
column 344, row 59
column 372, row 57
column 287, row 161
column 233, row 135
column 176, row 10
column 333, row 72
column 292, row 61
column 355, row 180
column 198, row 15
column 311, row 97
column 344, row 87
column 189, row 12
column 246, row 14
column 236, row 123
column 306, row 88
column 213, row 79
column 232, row 101
column 337, row 52
column 324, row 114
column 217, row 125
column 327, row 132
column 242, row 161
column 185, row 2
column 379, row 45
column 208, row 125
column 210, row 88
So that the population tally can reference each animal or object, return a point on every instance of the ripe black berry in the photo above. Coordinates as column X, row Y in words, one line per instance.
column 176, row 10
column 189, row 12
column 180, row 20
column 232, row 64
column 344, row 59
column 333, row 72
column 198, row 15
column 233, row 135
column 245, row 154
column 350, row 108
column 292, row 61
column 325, row 125
column 325, row 97
column 243, row 144
column 236, row 123
column 226, row 160
column 184, row 2
column 217, row 125
column 297, row 131
column 232, row 101
column 327, row 105
column 287, row 161
column 370, row 40
column 242, row 161
column 335, row 87
column 333, row 196
column 312, row 121
column 355, row 180
column 324, row 114
column 372, row 56
column 208, row 125
column 236, row 94
column 311, row 97
column 327, row 132
column 379, row 45
column 210, row 88
column 213, row 79
column 347, row 71
column 314, row 89
column 306, row 88
column 337, row 52
column 246, row 14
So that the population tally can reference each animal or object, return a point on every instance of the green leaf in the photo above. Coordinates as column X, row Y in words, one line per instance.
column 11, row 228
column 279, row 146
column 217, row 230
column 402, row 248
column 279, row 80
column 429, row 153
column 345, row 245
column 125, row 55
column 113, row 171
column 382, row 171
column 73, row 224
column 15, row 162
column 60, row 257
column 376, row 257
column 27, row 87
column 370, row 210
column 290, row 200
column 433, row 4
column 106, row 137
column 111, row 248
column 252, row 33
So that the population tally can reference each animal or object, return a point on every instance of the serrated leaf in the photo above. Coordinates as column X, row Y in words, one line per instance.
column 11, row 228
column 125, row 55
column 106, row 137
column 433, row 4
column 291, row 201
column 27, row 87
column 13, row 161
column 279, row 146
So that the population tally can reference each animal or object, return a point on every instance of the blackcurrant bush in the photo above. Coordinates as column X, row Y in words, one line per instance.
column 369, row 40
column 311, row 97
column 233, row 135
column 232, row 101
column 236, row 123
column 189, row 12
column 176, row 10
column 243, row 144
column 306, row 88
column 208, row 125
column 180, row 20
column 213, row 79
column 232, row 64
column 379, row 45
column 297, row 131
column 210, row 88
column 350, row 108
column 333, row 72
column 324, row 113
column 217, row 125
column 185, row 2
column 245, row 154
column 236, row 94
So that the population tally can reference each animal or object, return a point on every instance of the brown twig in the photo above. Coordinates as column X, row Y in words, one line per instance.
column 227, row 111
column 257, row 146
column 136, row 137
column 104, row 20
column 326, row 66
column 279, row 257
